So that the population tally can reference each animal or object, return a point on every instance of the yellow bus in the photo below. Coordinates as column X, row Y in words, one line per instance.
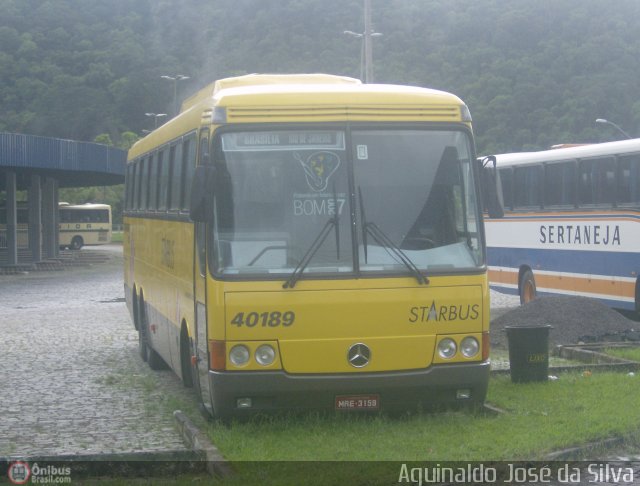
column 300, row 242
column 83, row 224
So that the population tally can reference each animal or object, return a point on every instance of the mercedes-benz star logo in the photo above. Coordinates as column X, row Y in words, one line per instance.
column 359, row 355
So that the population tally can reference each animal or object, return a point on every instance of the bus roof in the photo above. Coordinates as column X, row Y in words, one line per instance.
column 66, row 205
column 252, row 80
column 327, row 90
column 569, row 153
column 262, row 98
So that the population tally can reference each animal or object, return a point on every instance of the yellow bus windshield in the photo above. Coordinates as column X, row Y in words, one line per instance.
column 344, row 202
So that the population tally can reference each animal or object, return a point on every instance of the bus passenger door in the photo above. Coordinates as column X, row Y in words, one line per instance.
column 199, row 275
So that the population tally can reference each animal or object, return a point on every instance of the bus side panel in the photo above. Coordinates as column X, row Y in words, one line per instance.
column 573, row 254
column 159, row 263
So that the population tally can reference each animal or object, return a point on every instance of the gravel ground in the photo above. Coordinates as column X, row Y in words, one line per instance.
column 573, row 319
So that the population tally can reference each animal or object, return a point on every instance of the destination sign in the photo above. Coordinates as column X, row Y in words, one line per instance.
column 280, row 140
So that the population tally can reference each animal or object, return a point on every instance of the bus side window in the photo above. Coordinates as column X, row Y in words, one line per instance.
column 176, row 178
column 560, row 184
column 152, row 200
column 506, row 178
column 163, row 166
column 168, row 171
column 597, row 181
column 127, row 185
column 527, row 184
column 130, row 181
column 139, row 185
column 146, row 177
column 188, row 166
column 629, row 179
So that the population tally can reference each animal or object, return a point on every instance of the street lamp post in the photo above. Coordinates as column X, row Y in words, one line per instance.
column 366, row 54
column 175, row 79
column 155, row 118
column 607, row 122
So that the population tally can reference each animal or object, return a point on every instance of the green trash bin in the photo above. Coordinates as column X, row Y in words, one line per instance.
column 528, row 353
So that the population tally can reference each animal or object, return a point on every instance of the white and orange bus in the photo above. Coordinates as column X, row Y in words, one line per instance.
column 572, row 224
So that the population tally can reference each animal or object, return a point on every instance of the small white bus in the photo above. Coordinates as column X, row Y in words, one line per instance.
column 84, row 224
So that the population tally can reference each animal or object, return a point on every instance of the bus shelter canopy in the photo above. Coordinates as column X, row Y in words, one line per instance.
column 71, row 163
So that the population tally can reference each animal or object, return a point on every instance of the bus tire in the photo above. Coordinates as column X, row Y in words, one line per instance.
column 527, row 287
column 143, row 349
column 154, row 360
column 185, row 357
column 76, row 243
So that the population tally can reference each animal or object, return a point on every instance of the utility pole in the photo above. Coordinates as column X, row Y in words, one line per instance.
column 366, row 58
column 368, row 51
column 175, row 79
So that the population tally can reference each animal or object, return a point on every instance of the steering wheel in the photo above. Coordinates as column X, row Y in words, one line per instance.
column 418, row 243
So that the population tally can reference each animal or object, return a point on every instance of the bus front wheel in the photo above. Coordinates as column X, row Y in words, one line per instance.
column 527, row 286
column 76, row 243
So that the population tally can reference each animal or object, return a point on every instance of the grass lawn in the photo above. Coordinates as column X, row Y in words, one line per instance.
column 630, row 353
column 538, row 418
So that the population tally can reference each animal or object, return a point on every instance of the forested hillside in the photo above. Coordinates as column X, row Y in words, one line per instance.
column 534, row 73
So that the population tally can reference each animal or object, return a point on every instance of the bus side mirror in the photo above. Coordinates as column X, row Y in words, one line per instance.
column 491, row 187
column 202, row 192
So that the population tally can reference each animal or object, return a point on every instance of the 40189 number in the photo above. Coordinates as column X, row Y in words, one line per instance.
column 264, row 319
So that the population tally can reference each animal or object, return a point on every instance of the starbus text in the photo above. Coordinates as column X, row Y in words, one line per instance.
column 441, row 313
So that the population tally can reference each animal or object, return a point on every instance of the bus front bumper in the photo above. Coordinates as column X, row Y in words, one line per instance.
column 242, row 393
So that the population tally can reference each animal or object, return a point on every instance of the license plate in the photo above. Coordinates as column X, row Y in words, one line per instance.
column 357, row 402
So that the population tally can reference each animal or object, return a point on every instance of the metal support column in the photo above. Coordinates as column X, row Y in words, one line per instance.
column 35, row 218
column 12, row 219
column 49, row 217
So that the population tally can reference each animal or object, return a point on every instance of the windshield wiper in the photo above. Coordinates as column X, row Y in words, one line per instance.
column 364, row 226
column 315, row 246
column 383, row 240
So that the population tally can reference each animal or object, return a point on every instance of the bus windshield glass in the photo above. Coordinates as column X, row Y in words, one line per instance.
column 326, row 201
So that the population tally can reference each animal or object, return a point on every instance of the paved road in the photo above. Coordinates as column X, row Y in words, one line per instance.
column 72, row 382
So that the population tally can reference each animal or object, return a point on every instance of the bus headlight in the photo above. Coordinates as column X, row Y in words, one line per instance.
column 265, row 355
column 239, row 355
column 447, row 348
column 469, row 347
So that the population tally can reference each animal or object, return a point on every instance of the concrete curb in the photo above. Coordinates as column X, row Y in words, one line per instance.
column 199, row 443
column 574, row 452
